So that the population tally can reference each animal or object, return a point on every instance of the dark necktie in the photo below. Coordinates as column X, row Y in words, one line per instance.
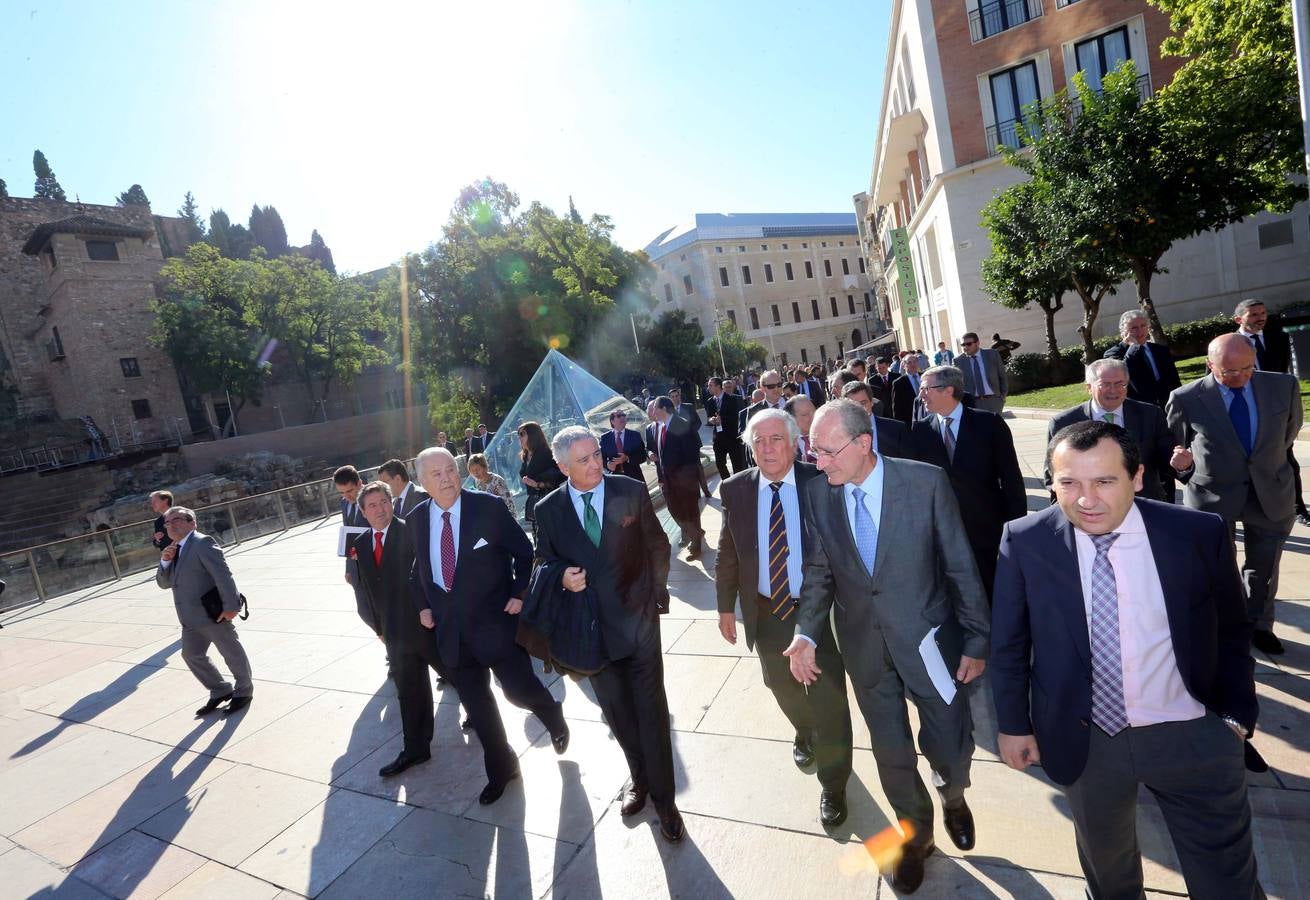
column 1240, row 414
column 1258, row 342
column 1109, row 710
column 590, row 521
column 377, row 549
column 780, row 598
column 977, row 376
column 447, row 551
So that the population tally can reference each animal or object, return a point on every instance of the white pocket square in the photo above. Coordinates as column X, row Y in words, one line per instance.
column 482, row 542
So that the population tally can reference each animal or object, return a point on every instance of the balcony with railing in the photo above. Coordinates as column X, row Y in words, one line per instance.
column 991, row 17
column 1012, row 132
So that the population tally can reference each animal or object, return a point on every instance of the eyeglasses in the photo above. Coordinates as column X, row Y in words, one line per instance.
column 830, row 454
column 772, row 387
column 175, row 520
column 1233, row 373
column 932, row 387
column 967, row 343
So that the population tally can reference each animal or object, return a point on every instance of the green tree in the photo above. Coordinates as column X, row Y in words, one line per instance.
column 4, row 190
column 47, row 186
column 267, row 231
column 190, row 213
column 321, row 253
column 739, row 353
column 134, row 196
column 219, row 225
column 672, row 349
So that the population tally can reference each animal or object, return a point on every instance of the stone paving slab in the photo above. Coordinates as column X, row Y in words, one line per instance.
column 215, row 881
column 138, row 866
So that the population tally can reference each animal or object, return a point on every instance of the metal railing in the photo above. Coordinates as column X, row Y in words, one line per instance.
column 992, row 17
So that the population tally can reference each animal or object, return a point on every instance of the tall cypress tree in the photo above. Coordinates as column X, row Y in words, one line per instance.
column 46, row 184
column 321, row 253
column 218, row 232
column 133, row 196
column 189, row 212
column 267, row 231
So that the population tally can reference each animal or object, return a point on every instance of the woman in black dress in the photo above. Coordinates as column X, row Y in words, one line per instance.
column 538, row 471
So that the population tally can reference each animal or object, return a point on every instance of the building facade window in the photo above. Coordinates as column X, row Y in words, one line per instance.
column 102, row 251
column 796, row 312
column 1275, row 234
column 827, row 268
column 1101, row 55
column 850, row 302
column 718, row 249
column 723, row 276
column 777, row 317
column 823, row 352
column 786, row 268
column 805, row 355
column 768, row 273
column 131, row 368
column 860, row 260
column 745, row 274
column 686, row 284
column 755, row 319
column 668, row 293
column 1012, row 92
column 809, row 269
column 141, row 409
column 868, row 302
column 833, row 301
column 991, row 17
column 741, row 248
column 814, row 307
column 845, row 266
column 732, row 317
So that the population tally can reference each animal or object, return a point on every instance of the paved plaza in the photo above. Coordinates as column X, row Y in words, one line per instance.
column 110, row 787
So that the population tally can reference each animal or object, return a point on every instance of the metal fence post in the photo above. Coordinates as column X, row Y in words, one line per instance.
column 281, row 510
column 36, row 577
column 232, row 515
column 322, row 495
column 113, row 557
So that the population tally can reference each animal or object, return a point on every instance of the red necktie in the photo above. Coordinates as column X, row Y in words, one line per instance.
column 664, row 433
column 805, row 443
column 447, row 552
column 377, row 549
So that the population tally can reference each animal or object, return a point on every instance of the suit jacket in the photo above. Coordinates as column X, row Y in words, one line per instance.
column 882, row 388
column 729, row 408
column 386, row 590
column 993, row 371
column 1146, row 425
column 688, row 412
column 985, row 475
column 905, row 401
column 493, row 563
column 924, row 576
column 1277, row 353
column 681, row 445
column 629, row 570
column 201, row 567
column 737, row 572
column 813, row 388
column 1040, row 667
column 893, row 438
column 1222, row 472
column 413, row 497
column 351, row 514
column 754, row 408
column 1142, row 383
column 454, row 448
column 476, row 444
column 633, row 445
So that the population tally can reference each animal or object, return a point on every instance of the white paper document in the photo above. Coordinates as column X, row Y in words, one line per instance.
column 937, row 671
column 347, row 536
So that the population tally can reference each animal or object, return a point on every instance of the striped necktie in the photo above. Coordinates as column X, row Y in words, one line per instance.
column 1108, row 707
column 780, row 599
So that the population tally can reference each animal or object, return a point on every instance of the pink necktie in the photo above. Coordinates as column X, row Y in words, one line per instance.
column 447, row 551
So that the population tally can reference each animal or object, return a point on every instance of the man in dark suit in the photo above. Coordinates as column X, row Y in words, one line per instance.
column 1121, row 658
column 677, row 448
column 880, row 382
column 1107, row 385
column 385, row 555
column 983, row 371
column 405, row 494
column 444, row 442
column 885, row 582
column 192, row 566
column 1273, row 353
column 472, row 566
column 1235, row 428
column 761, row 553
column 1151, row 371
column 603, row 530
column 905, row 392
column 722, row 411
column 160, row 501
column 348, row 483
column 476, row 443
column 771, row 384
column 688, row 412
column 623, row 450
column 890, row 437
column 977, row 451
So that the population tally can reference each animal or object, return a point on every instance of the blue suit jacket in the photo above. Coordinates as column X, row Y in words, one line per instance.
column 1040, row 665
column 493, row 562
column 633, row 444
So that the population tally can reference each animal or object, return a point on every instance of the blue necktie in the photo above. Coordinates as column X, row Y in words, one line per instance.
column 1240, row 413
column 866, row 533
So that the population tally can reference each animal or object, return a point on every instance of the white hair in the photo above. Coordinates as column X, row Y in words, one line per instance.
column 1129, row 316
column 566, row 438
column 1098, row 367
column 426, row 454
column 771, row 415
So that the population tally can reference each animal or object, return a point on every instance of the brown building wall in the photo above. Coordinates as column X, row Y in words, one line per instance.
column 963, row 61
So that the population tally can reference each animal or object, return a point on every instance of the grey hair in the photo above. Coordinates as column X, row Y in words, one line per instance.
column 1129, row 316
column 374, row 487
column 1098, row 367
column 180, row 511
column 772, row 415
column 1246, row 305
column 852, row 417
column 566, row 438
column 426, row 454
column 949, row 376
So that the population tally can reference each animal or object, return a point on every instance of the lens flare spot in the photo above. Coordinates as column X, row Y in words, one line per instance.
column 543, row 309
column 878, row 853
column 558, row 341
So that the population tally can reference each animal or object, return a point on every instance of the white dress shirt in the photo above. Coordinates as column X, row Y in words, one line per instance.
column 1153, row 688
column 434, row 540
column 1098, row 414
column 791, row 515
column 953, row 418
column 165, row 563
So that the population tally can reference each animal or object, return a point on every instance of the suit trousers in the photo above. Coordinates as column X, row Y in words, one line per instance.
column 195, row 653
column 821, row 715
column 1195, row 771
column 728, row 448
column 682, row 496
column 632, row 699
column 409, row 672
column 1262, row 542
column 522, row 688
column 945, row 737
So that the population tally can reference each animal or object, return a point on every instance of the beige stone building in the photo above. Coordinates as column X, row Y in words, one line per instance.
column 795, row 282
column 956, row 77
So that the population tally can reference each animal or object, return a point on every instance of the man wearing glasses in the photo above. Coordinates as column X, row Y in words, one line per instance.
column 889, row 582
column 622, row 451
column 1235, row 427
column 771, row 382
column 984, row 374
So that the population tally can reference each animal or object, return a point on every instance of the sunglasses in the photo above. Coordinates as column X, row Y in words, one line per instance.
column 773, row 387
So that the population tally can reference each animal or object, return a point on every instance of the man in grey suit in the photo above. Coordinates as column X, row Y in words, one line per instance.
column 1235, row 427
column 889, row 581
column 984, row 374
column 405, row 494
column 1107, row 388
column 192, row 566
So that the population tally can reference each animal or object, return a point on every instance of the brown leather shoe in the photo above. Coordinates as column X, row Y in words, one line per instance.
column 671, row 827
column 633, row 801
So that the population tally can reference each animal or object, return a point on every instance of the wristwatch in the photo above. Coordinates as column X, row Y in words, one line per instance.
column 1237, row 726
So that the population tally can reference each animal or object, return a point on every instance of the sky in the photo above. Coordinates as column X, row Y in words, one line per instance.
column 364, row 120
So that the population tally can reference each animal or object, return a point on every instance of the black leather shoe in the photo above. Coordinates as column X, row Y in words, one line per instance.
column 907, row 875
column 401, row 763
column 695, row 550
column 442, row 683
column 633, row 801
column 491, row 793
column 1252, row 758
column 671, row 827
column 959, row 825
column 466, row 725
column 1267, row 642
column 832, row 808
column 237, row 704
column 561, row 741
column 1304, row 518
column 213, row 704
column 802, row 754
